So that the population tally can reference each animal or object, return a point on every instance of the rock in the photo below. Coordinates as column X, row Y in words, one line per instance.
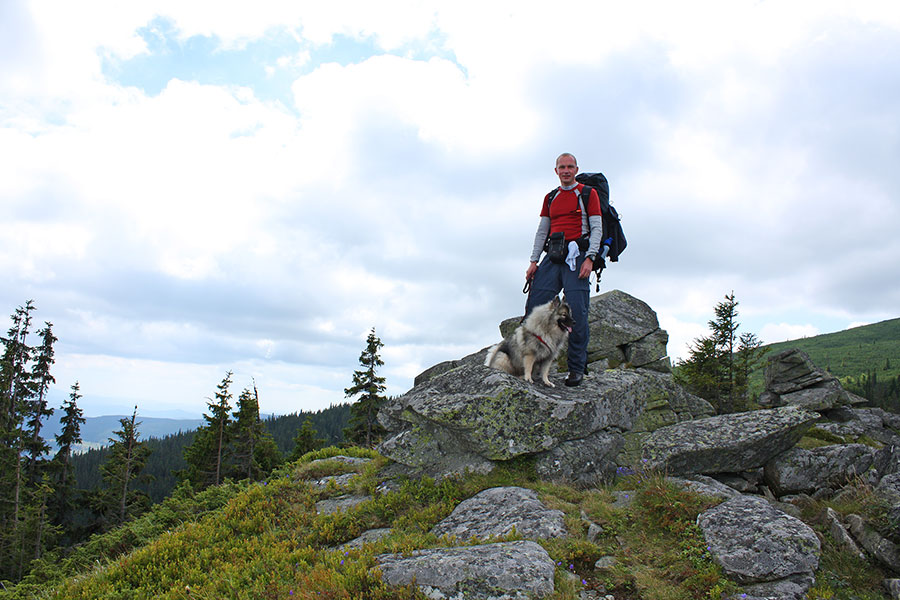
column 585, row 462
column 337, row 480
column 792, row 379
column 345, row 502
column 700, row 484
column 893, row 588
column 883, row 550
column 625, row 332
column 840, row 534
column 347, row 460
column 474, row 416
column 507, row 571
column 761, row 547
column 726, row 443
column 368, row 537
column 497, row 512
column 799, row 470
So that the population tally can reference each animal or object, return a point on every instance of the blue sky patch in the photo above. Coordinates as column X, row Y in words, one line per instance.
column 268, row 66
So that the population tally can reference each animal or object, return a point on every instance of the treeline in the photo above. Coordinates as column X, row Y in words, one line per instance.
column 49, row 504
column 37, row 491
column 167, row 453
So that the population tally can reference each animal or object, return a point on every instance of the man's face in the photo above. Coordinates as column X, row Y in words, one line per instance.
column 566, row 169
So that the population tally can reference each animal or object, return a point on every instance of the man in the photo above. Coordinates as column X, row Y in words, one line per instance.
column 565, row 214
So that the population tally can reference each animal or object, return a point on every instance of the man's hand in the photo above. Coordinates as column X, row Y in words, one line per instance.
column 530, row 271
column 586, row 267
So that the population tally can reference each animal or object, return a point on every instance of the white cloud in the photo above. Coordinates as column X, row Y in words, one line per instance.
column 175, row 236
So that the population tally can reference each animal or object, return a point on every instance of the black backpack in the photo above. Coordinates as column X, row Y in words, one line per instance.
column 613, row 236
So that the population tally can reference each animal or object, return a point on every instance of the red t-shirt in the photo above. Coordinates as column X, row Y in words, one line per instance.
column 565, row 212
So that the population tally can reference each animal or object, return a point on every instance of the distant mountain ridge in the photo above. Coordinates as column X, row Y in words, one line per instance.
column 96, row 431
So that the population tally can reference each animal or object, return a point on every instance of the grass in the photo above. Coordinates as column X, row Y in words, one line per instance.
column 265, row 540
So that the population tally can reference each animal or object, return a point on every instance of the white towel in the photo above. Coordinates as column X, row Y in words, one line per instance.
column 572, row 258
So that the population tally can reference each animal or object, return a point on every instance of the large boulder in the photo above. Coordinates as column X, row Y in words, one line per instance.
column 771, row 553
column 496, row 512
column 472, row 416
column 506, row 571
column 726, row 443
column 793, row 380
column 799, row 470
column 624, row 332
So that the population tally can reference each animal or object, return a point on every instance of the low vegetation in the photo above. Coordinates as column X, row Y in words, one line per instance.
column 265, row 540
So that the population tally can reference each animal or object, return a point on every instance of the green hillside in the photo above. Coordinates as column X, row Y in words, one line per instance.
column 251, row 540
column 866, row 359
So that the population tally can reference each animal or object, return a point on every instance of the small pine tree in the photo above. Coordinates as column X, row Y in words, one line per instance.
column 207, row 454
column 66, row 441
column 254, row 451
column 37, row 407
column 718, row 367
column 305, row 441
column 127, row 457
column 364, row 428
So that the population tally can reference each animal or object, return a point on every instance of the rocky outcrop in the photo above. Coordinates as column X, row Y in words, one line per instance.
column 628, row 416
column 793, row 380
column 773, row 554
column 726, row 443
column 471, row 417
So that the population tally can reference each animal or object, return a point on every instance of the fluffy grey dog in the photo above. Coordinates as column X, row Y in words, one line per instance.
column 535, row 343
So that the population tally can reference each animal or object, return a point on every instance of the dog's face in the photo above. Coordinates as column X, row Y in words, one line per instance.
column 564, row 318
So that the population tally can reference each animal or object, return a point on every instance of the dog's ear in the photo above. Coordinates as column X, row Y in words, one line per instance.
column 555, row 302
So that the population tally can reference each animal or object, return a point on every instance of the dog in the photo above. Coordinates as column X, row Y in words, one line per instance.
column 535, row 344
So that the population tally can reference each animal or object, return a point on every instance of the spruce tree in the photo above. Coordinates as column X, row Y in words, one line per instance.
column 15, row 389
column 37, row 407
column 305, row 441
column 66, row 441
column 254, row 452
column 207, row 454
column 127, row 457
column 364, row 428
column 718, row 367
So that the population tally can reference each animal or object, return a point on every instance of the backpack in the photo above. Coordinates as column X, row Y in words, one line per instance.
column 613, row 236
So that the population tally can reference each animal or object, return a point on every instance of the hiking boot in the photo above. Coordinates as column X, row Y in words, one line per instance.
column 574, row 379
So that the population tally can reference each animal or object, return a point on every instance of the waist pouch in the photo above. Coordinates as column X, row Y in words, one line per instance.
column 557, row 249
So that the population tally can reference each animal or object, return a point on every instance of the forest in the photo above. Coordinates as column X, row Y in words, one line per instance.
column 53, row 499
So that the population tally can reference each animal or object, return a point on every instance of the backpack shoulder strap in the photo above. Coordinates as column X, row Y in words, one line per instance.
column 551, row 195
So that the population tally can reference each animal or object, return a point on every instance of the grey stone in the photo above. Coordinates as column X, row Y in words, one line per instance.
column 337, row 480
column 506, row 571
column 799, row 470
column 707, row 486
column 726, row 443
column 585, row 462
column 497, row 512
column 345, row 502
column 893, row 588
column 882, row 549
column 368, row 537
column 839, row 533
column 757, row 544
column 347, row 460
column 793, row 379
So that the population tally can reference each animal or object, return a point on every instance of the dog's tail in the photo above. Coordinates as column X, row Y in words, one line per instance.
column 491, row 354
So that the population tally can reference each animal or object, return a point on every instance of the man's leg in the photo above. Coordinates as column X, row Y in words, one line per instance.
column 545, row 285
column 578, row 292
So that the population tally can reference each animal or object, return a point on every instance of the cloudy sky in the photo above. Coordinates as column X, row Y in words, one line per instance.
column 192, row 187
